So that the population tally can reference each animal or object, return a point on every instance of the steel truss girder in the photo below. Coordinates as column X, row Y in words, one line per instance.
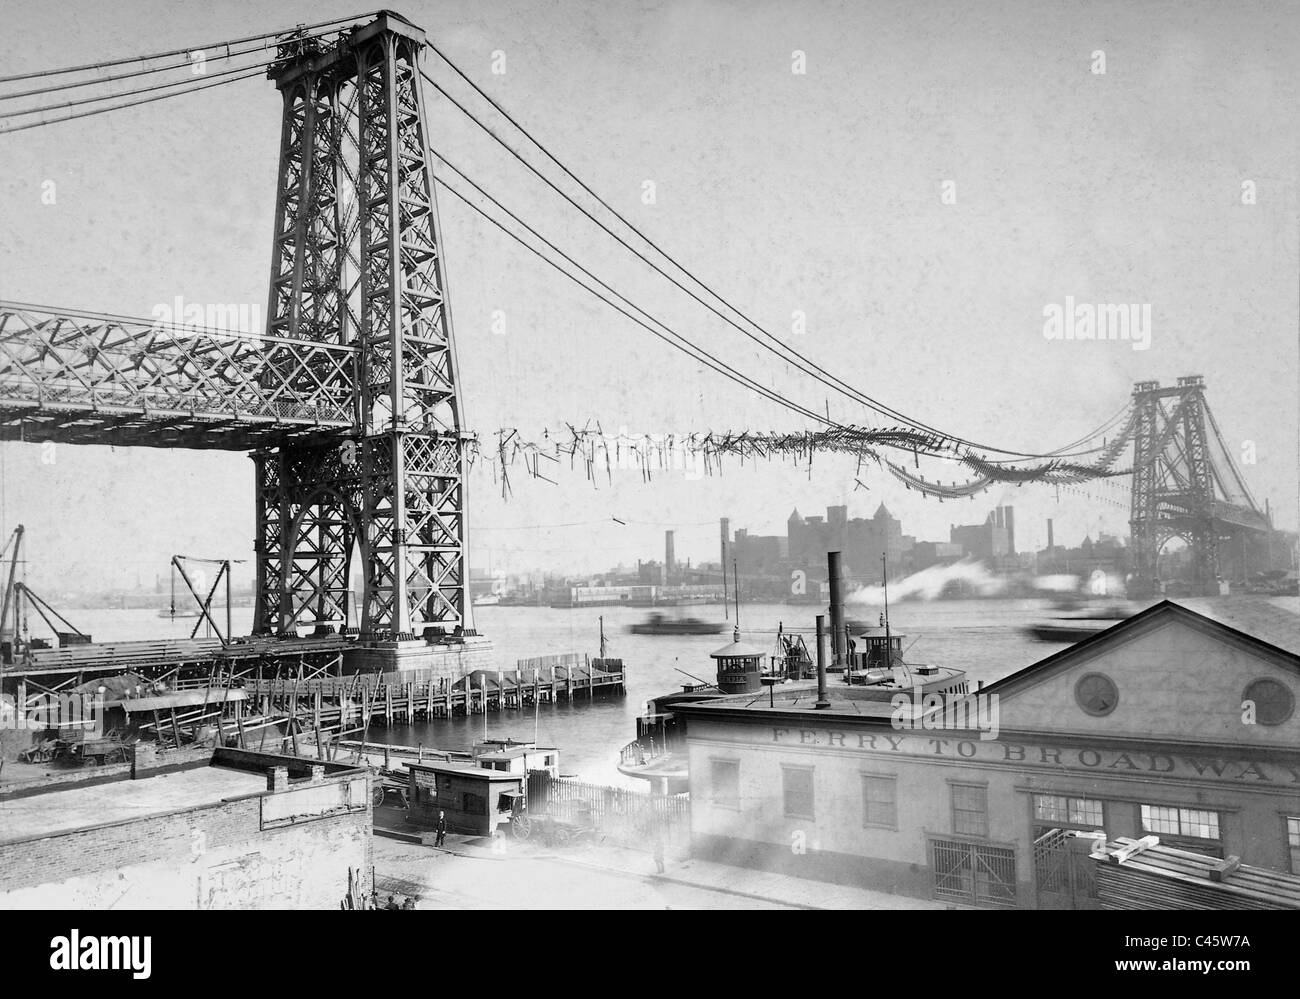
column 356, row 260
column 86, row 377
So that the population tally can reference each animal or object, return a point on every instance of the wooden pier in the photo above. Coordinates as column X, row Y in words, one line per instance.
column 297, row 706
column 343, row 705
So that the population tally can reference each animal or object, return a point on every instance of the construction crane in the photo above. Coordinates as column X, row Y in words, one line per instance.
column 9, row 630
column 18, row 596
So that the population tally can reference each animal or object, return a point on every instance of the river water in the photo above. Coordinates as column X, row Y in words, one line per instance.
column 983, row 637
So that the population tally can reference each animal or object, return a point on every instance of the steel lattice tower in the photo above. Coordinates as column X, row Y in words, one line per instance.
column 1185, row 484
column 356, row 262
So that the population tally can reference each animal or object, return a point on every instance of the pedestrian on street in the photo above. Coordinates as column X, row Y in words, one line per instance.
column 659, row 854
column 441, row 829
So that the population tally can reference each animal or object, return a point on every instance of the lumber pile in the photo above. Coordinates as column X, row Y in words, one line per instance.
column 1146, row 874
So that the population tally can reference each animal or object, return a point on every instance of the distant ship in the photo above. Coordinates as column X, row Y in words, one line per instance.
column 658, row 624
column 1078, row 622
column 168, row 612
column 487, row 600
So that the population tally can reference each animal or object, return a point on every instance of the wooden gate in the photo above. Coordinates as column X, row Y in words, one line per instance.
column 1063, row 873
column 973, row 873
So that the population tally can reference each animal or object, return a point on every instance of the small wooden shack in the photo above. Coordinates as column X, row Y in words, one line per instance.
column 521, row 760
column 475, row 800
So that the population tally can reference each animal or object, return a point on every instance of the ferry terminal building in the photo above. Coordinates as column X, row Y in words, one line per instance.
column 1168, row 723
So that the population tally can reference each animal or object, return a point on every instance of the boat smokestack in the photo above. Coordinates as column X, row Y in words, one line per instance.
column 837, row 607
column 822, row 700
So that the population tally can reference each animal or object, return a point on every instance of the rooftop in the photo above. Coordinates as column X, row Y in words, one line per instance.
column 737, row 649
column 464, row 770
column 83, row 806
column 1275, row 620
column 516, row 752
column 801, row 695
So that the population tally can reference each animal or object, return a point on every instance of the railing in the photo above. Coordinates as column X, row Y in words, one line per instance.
column 640, row 752
column 637, row 753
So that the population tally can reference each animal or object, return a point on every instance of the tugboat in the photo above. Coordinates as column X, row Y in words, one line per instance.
column 875, row 674
column 658, row 624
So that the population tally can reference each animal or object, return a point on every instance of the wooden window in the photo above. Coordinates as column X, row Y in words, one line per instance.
column 880, row 801
column 1062, row 810
column 970, row 812
column 797, row 791
column 1185, row 823
column 724, row 783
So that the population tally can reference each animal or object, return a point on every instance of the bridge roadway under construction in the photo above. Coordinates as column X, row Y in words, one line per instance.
column 158, row 659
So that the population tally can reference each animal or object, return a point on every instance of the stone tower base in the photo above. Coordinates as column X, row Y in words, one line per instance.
column 449, row 661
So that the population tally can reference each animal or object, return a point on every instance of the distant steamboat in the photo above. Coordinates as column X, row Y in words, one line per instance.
column 658, row 624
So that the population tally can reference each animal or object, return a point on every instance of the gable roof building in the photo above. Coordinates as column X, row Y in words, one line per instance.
column 1168, row 724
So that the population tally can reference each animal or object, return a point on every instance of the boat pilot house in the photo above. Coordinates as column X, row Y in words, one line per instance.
column 1166, row 725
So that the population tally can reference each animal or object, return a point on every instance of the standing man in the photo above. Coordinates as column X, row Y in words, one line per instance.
column 659, row 854
column 441, row 829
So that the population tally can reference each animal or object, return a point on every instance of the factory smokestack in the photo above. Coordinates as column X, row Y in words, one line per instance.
column 1050, row 543
column 837, row 607
column 670, row 556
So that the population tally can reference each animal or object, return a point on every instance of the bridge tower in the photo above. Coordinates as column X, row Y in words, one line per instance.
column 1185, row 484
column 356, row 262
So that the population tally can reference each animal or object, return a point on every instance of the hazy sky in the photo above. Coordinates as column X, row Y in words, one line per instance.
column 817, row 192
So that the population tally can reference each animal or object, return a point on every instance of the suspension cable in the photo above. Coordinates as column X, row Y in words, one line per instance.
column 185, row 51
column 834, row 382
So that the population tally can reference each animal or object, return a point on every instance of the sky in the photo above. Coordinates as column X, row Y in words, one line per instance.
column 938, row 176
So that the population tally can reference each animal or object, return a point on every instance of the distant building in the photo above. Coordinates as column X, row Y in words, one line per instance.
column 862, row 541
column 928, row 553
column 1107, row 554
column 987, row 542
column 758, row 555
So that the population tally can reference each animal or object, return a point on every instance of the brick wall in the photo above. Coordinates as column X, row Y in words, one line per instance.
column 212, row 856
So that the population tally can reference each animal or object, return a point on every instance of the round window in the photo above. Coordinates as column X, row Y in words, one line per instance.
column 1096, row 694
column 1273, row 701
